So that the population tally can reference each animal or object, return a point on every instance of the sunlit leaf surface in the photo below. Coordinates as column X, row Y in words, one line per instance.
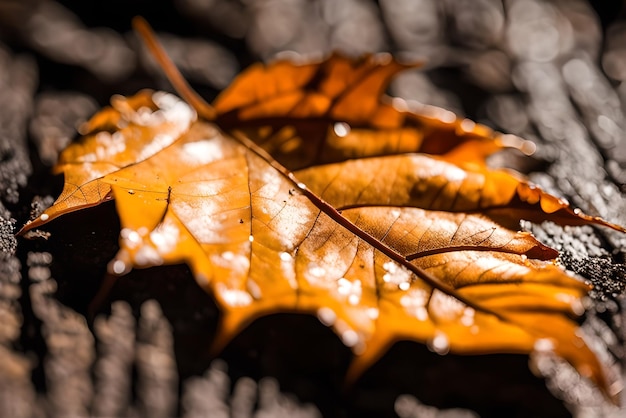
column 392, row 226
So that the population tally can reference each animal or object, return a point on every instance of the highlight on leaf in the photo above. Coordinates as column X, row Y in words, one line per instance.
column 131, row 130
column 304, row 189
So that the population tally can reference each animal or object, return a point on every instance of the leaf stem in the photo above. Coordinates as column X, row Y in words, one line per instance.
column 171, row 71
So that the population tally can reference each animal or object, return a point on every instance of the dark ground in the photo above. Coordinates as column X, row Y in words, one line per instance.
column 549, row 71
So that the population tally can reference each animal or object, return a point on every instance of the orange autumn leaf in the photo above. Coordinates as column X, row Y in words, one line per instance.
column 129, row 131
column 335, row 110
column 383, row 229
column 332, row 110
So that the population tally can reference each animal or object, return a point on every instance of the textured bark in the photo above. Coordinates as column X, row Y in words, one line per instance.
column 75, row 342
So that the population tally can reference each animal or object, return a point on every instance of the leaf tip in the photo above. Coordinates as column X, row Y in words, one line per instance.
column 34, row 223
column 118, row 267
column 232, row 323
column 371, row 352
column 513, row 141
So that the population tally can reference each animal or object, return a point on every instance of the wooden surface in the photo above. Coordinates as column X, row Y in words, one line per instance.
column 547, row 71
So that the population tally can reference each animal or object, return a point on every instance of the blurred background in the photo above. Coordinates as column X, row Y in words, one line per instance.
column 550, row 71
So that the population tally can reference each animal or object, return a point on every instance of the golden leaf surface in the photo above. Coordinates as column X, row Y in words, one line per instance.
column 384, row 230
column 331, row 111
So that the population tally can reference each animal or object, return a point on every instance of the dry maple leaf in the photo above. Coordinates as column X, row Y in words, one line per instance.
column 390, row 225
